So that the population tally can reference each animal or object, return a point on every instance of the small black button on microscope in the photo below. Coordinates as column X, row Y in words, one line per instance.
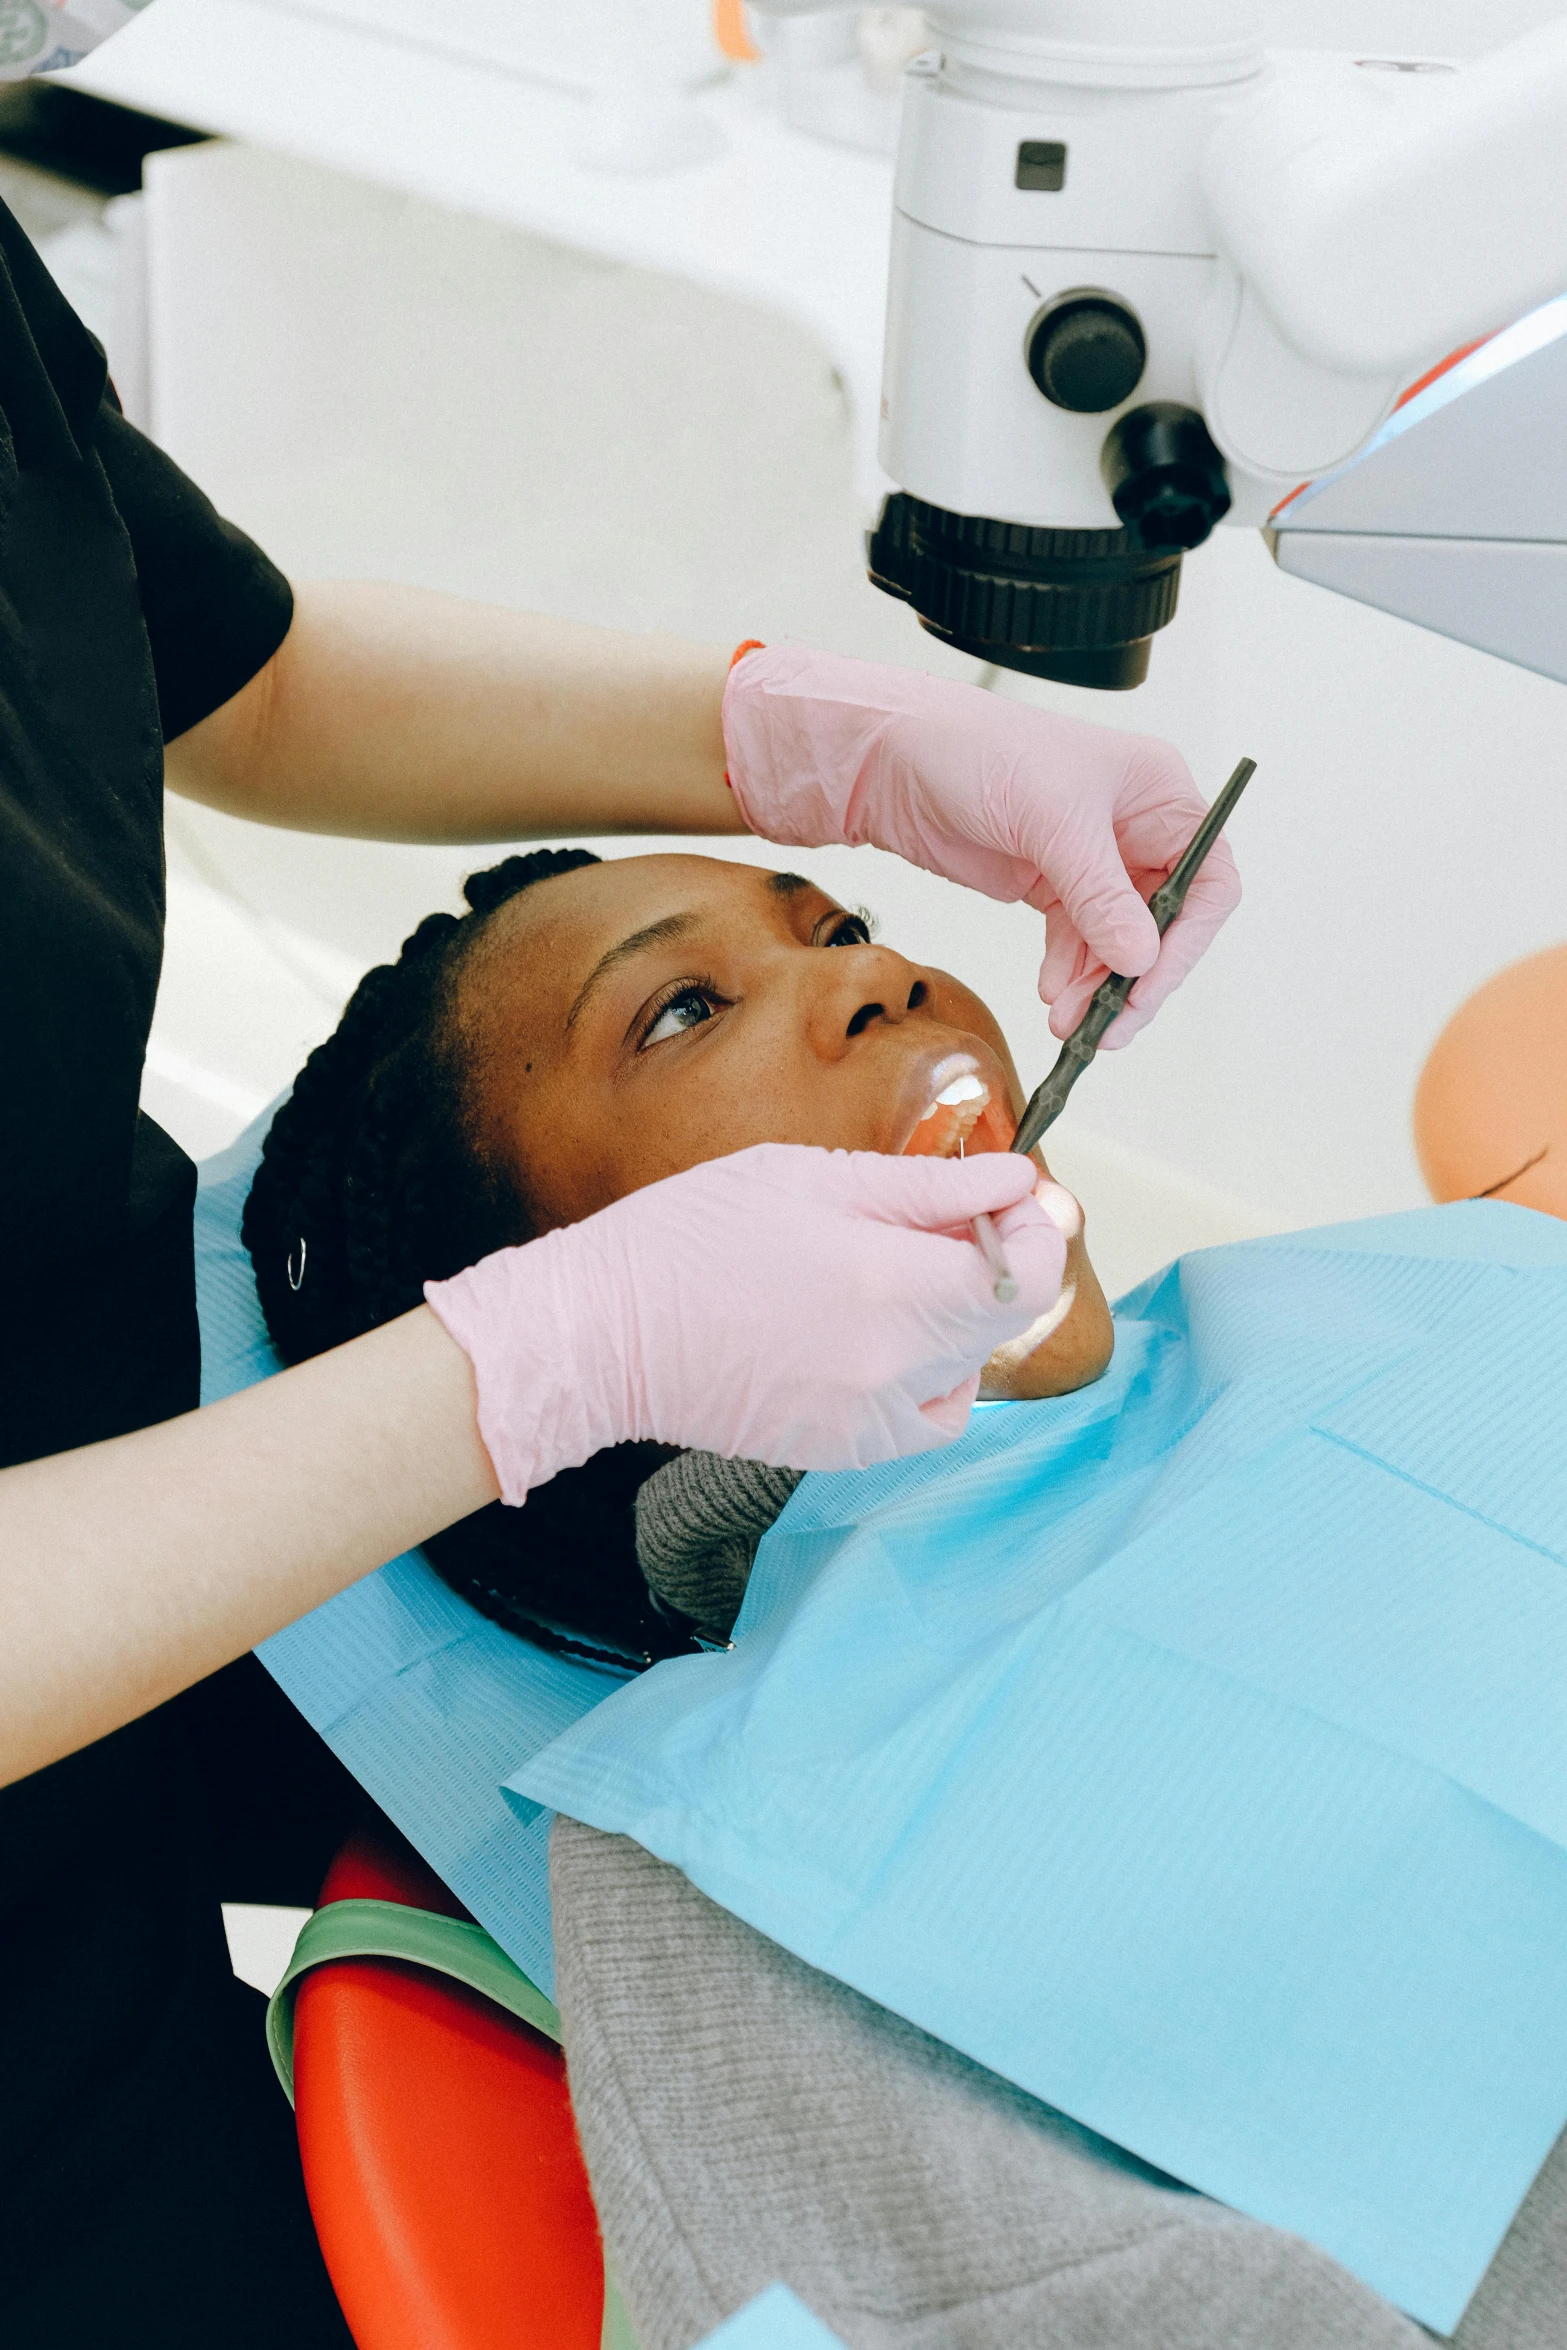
column 1085, row 351
column 1041, row 166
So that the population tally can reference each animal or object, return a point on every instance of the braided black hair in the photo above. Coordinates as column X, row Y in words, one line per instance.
column 369, row 1186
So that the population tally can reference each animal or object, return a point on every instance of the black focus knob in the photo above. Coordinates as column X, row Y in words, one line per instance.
column 1085, row 351
column 1165, row 477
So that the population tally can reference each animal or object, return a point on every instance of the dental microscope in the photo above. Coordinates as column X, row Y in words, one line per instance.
column 1150, row 276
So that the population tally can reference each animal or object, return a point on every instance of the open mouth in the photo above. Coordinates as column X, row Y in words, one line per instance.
column 962, row 1109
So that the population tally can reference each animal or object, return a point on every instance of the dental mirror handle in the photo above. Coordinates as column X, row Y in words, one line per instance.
column 1109, row 998
column 987, row 1240
column 1003, row 1284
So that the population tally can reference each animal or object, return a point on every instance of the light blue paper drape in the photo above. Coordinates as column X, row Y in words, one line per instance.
column 1192, row 1751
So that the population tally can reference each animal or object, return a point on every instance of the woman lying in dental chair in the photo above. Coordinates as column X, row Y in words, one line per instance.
column 588, row 1029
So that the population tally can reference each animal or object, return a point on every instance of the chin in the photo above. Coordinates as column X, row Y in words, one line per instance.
column 1075, row 1354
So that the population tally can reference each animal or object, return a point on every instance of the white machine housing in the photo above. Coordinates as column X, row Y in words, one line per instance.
column 1300, row 236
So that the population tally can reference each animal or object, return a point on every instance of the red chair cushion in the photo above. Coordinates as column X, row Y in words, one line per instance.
column 439, row 2149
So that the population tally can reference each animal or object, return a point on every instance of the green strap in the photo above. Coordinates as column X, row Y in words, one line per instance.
column 385, row 1929
column 615, row 2332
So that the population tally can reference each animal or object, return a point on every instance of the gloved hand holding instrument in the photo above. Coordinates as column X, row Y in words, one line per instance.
column 1016, row 802
column 813, row 1309
column 1109, row 998
column 1105, row 1007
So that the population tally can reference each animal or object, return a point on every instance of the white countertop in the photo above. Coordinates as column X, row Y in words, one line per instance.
column 775, row 217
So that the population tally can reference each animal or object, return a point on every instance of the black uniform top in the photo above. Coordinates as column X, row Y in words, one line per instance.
column 149, row 2176
column 128, row 611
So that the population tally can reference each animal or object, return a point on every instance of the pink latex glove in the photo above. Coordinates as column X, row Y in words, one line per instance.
column 1081, row 821
column 813, row 1309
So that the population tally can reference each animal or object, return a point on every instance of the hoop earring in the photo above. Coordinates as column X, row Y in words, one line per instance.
column 294, row 1284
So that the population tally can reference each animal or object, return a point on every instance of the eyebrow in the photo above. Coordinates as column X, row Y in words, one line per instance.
column 787, row 885
column 656, row 934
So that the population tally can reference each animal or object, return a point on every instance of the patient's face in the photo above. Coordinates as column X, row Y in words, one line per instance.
column 631, row 1019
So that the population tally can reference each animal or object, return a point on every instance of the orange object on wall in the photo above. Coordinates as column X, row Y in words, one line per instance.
column 1491, row 1105
column 439, row 2148
column 732, row 33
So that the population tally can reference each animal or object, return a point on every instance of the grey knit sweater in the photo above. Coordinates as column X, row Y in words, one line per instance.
column 745, row 2118
column 699, row 1522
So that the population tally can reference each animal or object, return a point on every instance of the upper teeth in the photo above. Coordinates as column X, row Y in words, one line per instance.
column 962, row 1089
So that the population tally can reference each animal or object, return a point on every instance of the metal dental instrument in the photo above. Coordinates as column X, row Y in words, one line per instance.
column 987, row 1240
column 1109, row 998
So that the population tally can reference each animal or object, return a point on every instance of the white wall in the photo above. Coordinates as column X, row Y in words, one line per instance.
column 376, row 387
column 1401, row 28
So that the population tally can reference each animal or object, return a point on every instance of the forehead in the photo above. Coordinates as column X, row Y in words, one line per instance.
column 537, row 950
column 584, row 912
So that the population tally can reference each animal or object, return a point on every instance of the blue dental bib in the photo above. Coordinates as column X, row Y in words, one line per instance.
column 1193, row 1750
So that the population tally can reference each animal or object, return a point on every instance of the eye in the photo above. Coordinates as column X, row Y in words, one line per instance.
column 688, row 1009
column 850, row 930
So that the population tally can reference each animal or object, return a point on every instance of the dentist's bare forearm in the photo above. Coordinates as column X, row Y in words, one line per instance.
column 398, row 714
column 130, row 1569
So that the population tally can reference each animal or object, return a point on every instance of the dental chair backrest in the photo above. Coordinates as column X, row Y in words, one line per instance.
column 439, row 2150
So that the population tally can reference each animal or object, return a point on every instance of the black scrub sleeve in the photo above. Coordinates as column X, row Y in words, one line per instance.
column 216, row 609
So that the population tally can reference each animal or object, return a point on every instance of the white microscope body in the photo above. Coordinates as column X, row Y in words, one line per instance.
column 1147, row 275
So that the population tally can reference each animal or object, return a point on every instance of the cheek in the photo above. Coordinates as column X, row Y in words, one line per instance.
column 752, row 1083
column 563, row 1161
column 710, row 1118
column 779, row 1092
column 583, row 1153
column 576, row 1147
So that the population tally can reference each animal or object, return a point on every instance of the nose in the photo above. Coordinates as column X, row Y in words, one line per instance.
column 855, row 987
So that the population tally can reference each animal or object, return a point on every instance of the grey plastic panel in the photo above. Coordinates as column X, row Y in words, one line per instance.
column 1489, row 464
column 1506, row 597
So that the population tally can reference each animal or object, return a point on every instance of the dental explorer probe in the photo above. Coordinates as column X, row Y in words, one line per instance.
column 1109, row 997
